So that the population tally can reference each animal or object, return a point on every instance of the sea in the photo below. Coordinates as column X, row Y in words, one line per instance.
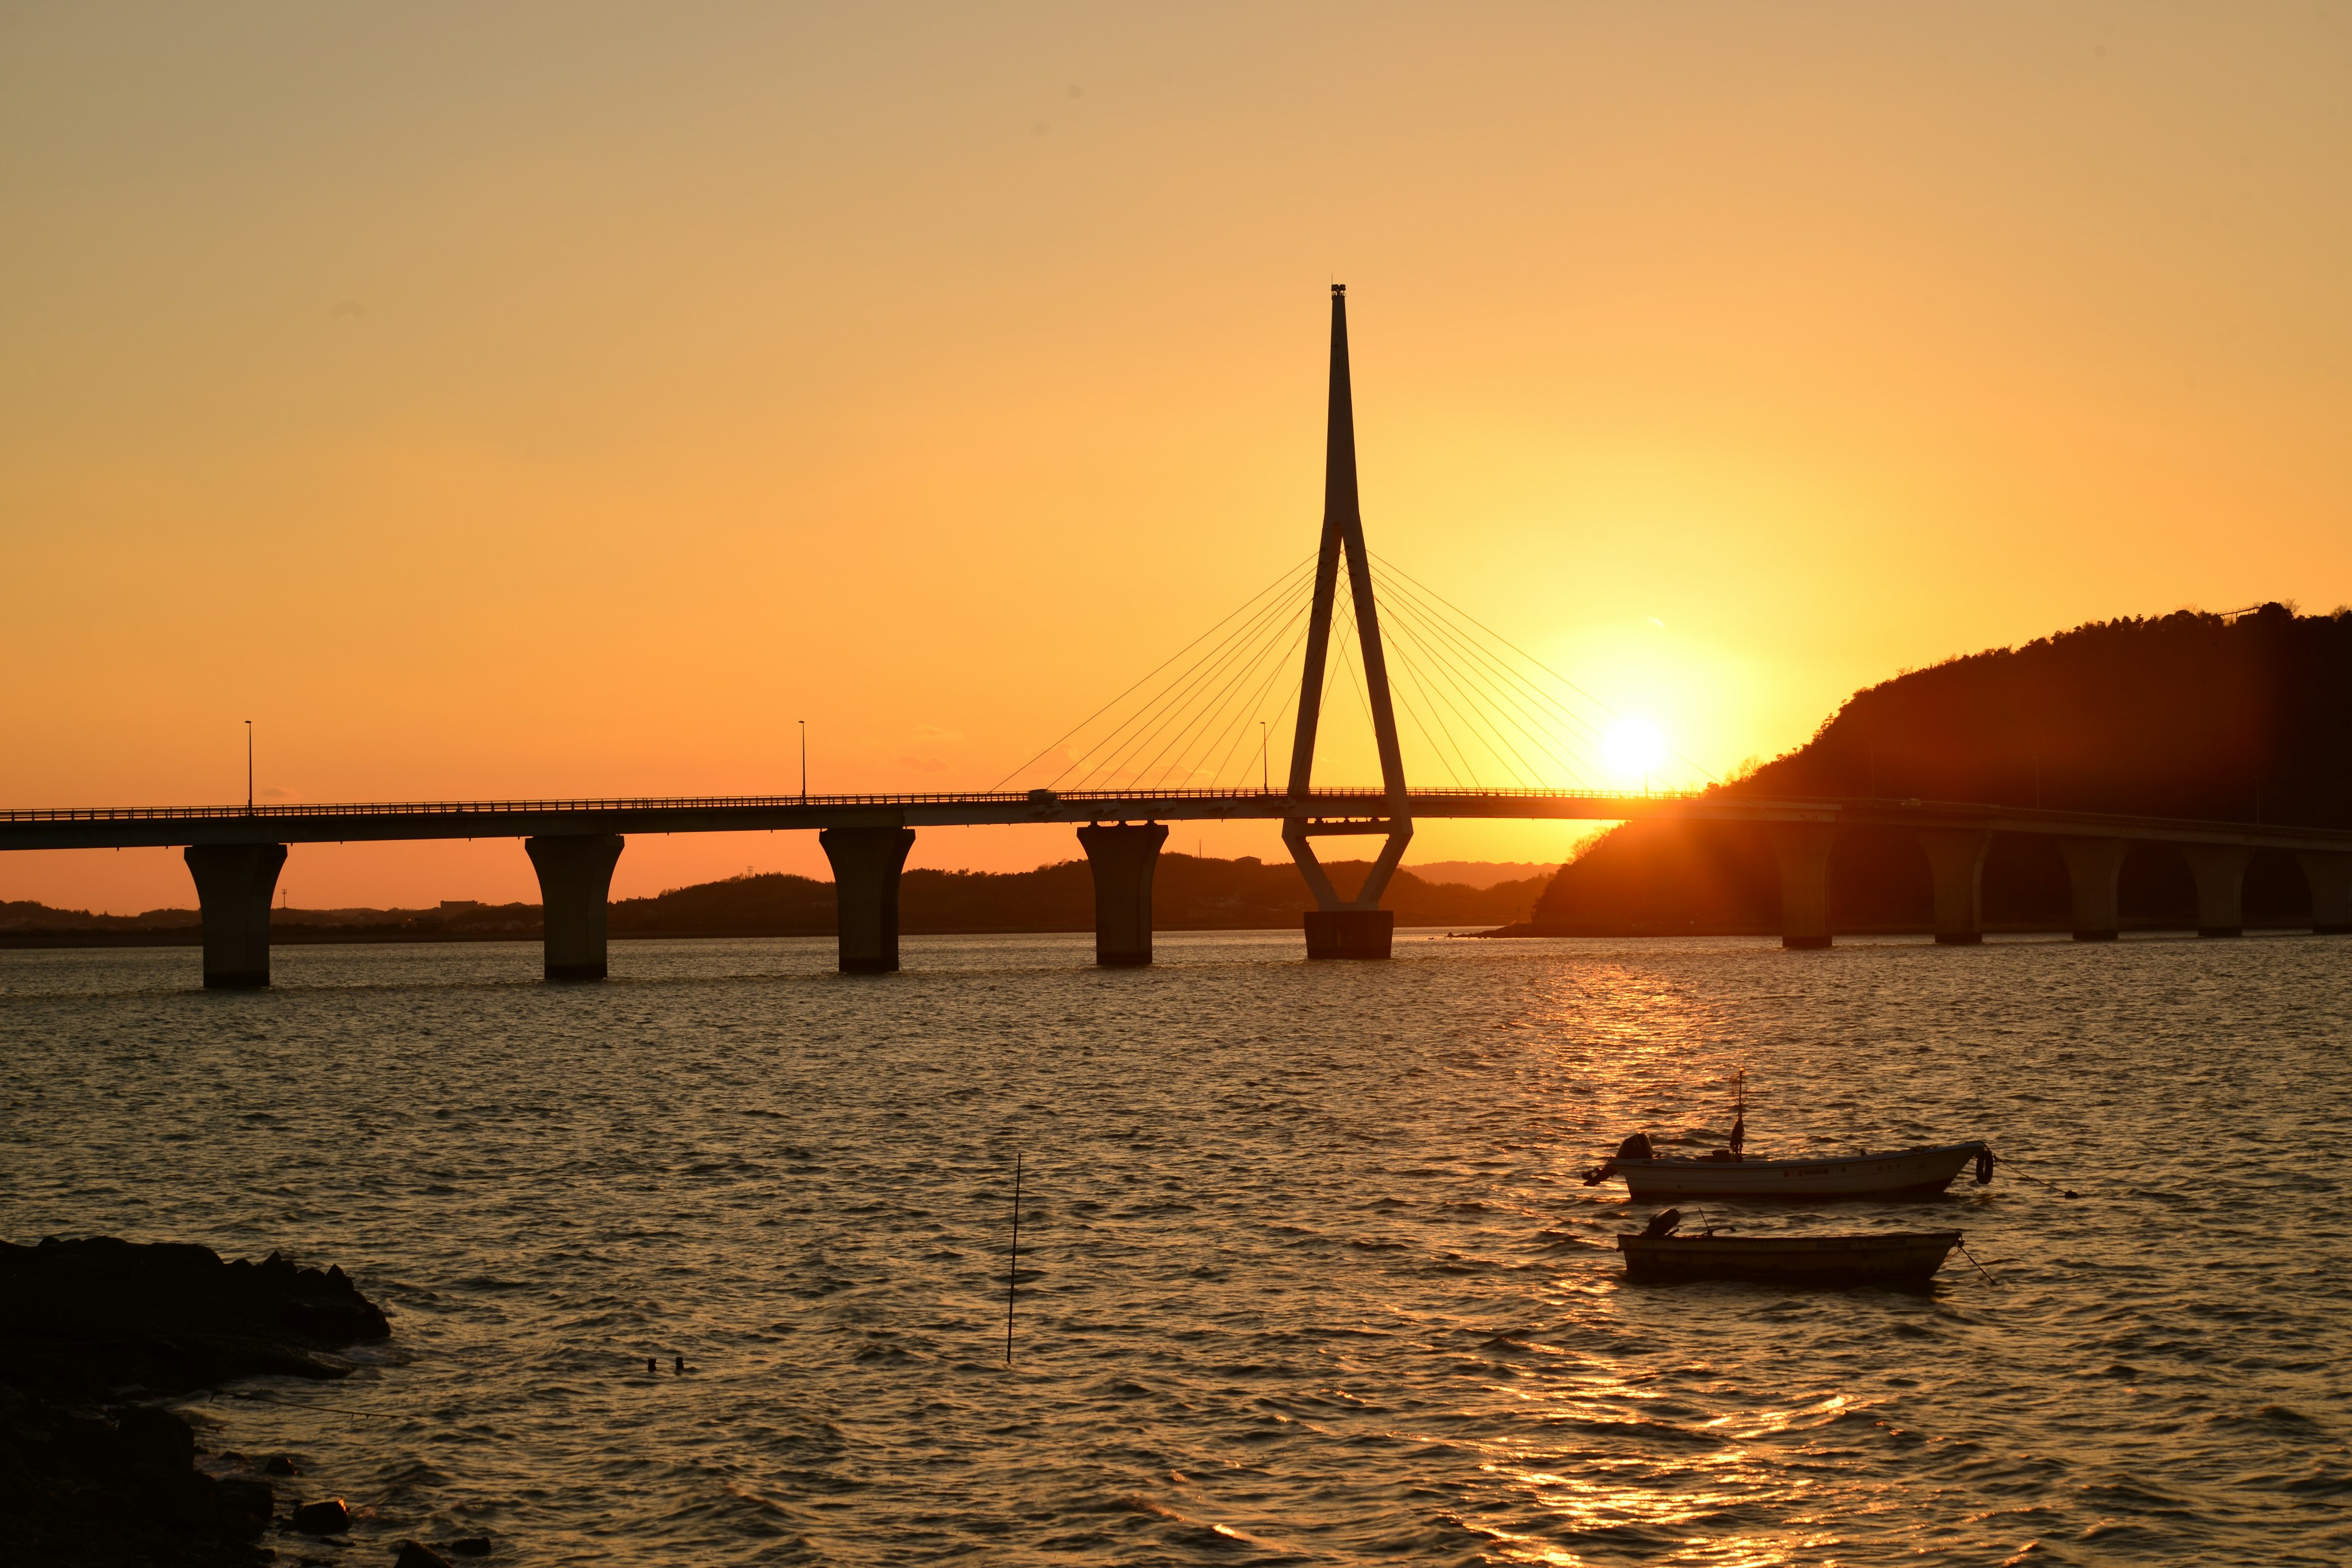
column 1307, row 1269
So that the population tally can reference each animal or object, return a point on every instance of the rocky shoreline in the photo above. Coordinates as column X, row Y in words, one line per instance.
column 95, row 1335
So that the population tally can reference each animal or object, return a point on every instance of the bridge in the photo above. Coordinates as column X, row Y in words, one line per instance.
column 1196, row 722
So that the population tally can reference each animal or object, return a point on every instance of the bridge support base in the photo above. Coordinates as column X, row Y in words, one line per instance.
column 1956, row 857
column 2093, row 866
column 1350, row 934
column 2221, row 873
column 2329, row 878
column 575, row 881
column 1123, row 860
column 235, row 883
column 866, row 866
column 1804, row 850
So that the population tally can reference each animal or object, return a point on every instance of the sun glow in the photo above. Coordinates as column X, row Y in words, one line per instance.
column 1635, row 747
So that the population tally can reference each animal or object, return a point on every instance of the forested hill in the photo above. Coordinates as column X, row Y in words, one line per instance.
column 2231, row 717
column 1190, row 893
column 2187, row 714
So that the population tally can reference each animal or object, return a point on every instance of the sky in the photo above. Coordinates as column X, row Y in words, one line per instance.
column 529, row 400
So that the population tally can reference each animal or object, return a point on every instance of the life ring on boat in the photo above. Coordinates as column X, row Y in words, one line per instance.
column 1984, row 1166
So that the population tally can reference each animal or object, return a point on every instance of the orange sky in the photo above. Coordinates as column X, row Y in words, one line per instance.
column 565, row 399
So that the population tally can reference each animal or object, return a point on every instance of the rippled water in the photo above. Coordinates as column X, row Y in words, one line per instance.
column 1314, row 1280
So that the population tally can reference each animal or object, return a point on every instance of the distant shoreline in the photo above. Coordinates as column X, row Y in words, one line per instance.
column 314, row 936
column 331, row 937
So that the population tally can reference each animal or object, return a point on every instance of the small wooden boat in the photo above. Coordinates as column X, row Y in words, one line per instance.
column 1891, row 1257
column 1922, row 1173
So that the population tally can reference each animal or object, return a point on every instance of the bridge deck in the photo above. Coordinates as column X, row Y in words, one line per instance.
column 106, row 828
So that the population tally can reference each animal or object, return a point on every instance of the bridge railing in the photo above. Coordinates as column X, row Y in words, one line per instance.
column 294, row 810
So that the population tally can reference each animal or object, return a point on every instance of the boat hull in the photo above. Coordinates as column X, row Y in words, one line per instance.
column 1901, row 1173
column 1897, row 1258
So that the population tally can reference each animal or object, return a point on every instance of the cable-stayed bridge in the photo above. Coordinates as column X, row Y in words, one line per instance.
column 1194, row 740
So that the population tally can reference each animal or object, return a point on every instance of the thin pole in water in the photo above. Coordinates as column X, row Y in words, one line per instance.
column 1013, row 1264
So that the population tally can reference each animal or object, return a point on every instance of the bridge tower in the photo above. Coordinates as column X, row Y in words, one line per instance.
column 1338, row 928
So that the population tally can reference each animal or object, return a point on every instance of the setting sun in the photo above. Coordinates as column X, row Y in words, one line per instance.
column 1635, row 747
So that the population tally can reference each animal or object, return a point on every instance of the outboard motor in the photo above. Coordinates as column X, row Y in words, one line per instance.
column 1637, row 1147
column 1663, row 1223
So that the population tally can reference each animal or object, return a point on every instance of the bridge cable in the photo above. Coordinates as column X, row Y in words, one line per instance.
column 1224, row 743
column 1174, row 692
column 1481, row 726
column 1239, row 726
column 1089, row 754
column 1531, row 724
column 1431, row 592
column 1154, row 721
column 1438, row 628
column 1280, row 581
column 1469, row 646
column 1412, row 682
column 1212, row 712
column 1513, row 687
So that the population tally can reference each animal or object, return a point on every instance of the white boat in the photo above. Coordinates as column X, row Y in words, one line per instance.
column 1724, row 1173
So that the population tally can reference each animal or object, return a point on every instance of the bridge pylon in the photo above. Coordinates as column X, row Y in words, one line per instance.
column 1338, row 928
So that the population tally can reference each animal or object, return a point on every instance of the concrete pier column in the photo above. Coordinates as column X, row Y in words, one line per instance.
column 1350, row 934
column 235, row 883
column 1803, row 851
column 575, row 880
column 2093, row 866
column 1123, row 859
column 1956, row 857
column 866, row 866
column 2221, row 873
column 2330, row 879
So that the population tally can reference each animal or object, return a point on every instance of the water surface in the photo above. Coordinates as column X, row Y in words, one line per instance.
column 1314, row 1279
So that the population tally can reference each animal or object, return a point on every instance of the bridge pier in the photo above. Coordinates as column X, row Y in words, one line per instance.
column 1122, row 859
column 575, row 881
column 1350, row 934
column 1956, row 857
column 2329, row 877
column 235, row 883
column 1803, row 851
column 2093, row 866
column 866, row 866
column 2221, row 873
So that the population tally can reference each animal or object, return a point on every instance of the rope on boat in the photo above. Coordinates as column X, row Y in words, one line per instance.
column 1985, row 1175
column 1972, row 1257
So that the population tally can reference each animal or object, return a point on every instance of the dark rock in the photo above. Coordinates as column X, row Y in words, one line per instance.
column 98, row 1314
column 181, row 1499
column 95, row 1323
column 412, row 1555
column 470, row 1545
column 244, row 1506
column 282, row 1465
column 147, row 1436
column 328, row 1516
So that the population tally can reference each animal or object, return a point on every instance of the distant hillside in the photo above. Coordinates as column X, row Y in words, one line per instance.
column 2239, row 718
column 1189, row 893
column 1484, row 873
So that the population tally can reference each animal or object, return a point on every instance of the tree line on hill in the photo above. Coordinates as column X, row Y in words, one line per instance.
column 1190, row 893
column 2239, row 718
